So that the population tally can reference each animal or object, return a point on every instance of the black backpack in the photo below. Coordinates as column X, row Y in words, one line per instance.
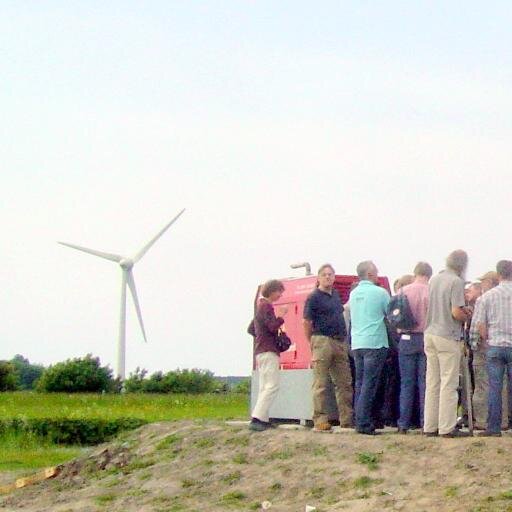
column 399, row 314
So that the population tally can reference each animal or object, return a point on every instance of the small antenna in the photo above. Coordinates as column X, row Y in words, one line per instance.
column 305, row 265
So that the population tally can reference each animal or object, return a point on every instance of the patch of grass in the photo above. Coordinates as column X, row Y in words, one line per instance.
column 205, row 442
column 105, row 499
column 506, row 495
column 317, row 492
column 370, row 459
column 167, row 442
column 28, row 451
column 233, row 498
column 281, row 455
column 137, row 493
column 112, row 483
column 138, row 464
column 320, row 451
column 276, row 486
column 148, row 407
column 186, row 483
column 238, row 441
column 451, row 491
column 364, row 482
column 231, row 478
column 240, row 458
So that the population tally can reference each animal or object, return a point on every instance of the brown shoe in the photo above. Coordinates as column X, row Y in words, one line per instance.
column 323, row 427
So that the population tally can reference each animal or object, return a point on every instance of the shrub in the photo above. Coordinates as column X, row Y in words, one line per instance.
column 28, row 373
column 8, row 376
column 86, row 431
column 77, row 375
column 178, row 381
column 243, row 387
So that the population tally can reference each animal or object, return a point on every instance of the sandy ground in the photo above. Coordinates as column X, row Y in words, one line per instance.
column 212, row 466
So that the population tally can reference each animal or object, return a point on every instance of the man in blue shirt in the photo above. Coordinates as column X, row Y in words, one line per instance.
column 325, row 330
column 368, row 304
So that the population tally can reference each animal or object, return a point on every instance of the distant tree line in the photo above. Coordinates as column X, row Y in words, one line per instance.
column 85, row 374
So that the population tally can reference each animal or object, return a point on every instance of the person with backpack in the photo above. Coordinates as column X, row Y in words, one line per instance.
column 411, row 355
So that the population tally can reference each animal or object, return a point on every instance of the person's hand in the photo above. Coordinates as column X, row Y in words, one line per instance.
column 468, row 310
column 281, row 311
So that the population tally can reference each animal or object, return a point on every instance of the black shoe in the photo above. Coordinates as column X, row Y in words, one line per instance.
column 462, row 421
column 401, row 431
column 257, row 425
column 431, row 434
column 379, row 424
column 456, row 433
column 368, row 432
column 488, row 433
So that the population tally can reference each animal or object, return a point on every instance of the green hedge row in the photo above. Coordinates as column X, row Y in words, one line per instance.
column 71, row 431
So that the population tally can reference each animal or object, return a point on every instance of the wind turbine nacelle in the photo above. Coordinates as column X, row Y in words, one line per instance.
column 126, row 263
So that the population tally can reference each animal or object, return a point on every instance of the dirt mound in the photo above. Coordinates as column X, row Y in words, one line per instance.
column 210, row 466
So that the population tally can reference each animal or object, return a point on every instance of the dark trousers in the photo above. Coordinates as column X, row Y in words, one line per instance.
column 386, row 405
column 499, row 363
column 369, row 364
column 413, row 369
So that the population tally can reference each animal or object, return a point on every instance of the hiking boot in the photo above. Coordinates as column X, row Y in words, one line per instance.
column 488, row 433
column 431, row 434
column 456, row 433
column 323, row 427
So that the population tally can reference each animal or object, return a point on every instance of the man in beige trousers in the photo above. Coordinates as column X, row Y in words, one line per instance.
column 443, row 347
column 324, row 327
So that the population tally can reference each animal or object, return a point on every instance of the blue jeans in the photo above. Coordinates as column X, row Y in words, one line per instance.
column 413, row 368
column 369, row 363
column 499, row 360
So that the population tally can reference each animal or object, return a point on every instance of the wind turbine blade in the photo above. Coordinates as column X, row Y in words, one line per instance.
column 145, row 249
column 133, row 290
column 106, row 255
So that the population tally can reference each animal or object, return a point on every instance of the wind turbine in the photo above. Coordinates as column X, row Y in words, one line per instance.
column 126, row 265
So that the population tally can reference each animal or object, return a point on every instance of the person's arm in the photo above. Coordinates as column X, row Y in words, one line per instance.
column 478, row 324
column 308, row 328
column 271, row 321
column 307, row 321
column 459, row 311
column 461, row 314
column 482, row 330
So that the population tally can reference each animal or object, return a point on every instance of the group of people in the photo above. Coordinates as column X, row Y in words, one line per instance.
column 415, row 371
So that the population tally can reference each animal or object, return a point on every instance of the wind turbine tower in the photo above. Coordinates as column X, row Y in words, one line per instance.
column 126, row 265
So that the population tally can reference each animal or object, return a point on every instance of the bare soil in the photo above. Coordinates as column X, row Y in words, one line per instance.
column 212, row 466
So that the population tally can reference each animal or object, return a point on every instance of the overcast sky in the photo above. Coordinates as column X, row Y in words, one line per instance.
column 291, row 131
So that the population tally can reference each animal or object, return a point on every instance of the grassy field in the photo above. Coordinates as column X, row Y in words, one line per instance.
column 144, row 406
column 27, row 452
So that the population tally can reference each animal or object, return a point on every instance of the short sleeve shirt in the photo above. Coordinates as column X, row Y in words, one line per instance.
column 368, row 304
column 325, row 311
column 445, row 291
column 494, row 310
